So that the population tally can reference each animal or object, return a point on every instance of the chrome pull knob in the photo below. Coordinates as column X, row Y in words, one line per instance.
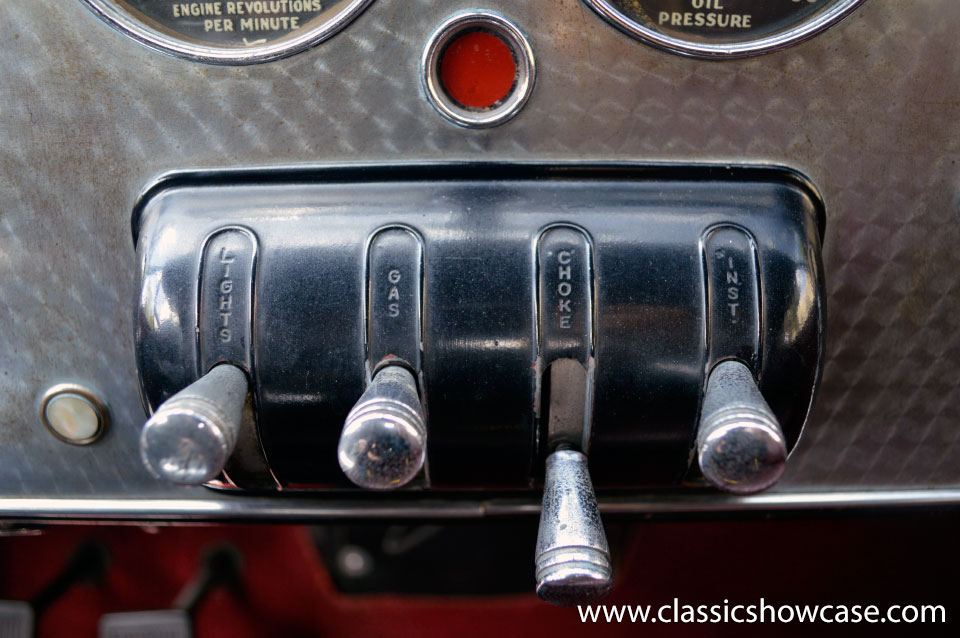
column 573, row 559
column 192, row 434
column 384, row 440
column 740, row 446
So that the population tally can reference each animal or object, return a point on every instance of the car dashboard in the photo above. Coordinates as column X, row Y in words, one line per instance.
column 336, row 158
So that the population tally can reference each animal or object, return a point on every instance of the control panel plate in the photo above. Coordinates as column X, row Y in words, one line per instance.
column 643, row 236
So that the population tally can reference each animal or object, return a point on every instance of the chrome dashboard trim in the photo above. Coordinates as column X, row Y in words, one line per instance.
column 163, row 42
column 733, row 50
column 295, row 509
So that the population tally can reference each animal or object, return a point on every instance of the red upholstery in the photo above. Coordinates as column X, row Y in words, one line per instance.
column 288, row 592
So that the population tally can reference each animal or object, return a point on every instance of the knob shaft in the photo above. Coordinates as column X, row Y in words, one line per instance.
column 573, row 559
column 384, row 440
column 740, row 445
column 189, row 438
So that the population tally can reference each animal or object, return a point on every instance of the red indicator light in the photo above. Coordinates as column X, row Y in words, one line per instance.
column 478, row 70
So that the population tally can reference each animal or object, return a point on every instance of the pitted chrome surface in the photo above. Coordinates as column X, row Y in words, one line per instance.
column 868, row 110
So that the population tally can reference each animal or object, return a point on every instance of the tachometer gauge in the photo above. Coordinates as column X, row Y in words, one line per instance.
column 241, row 32
column 723, row 28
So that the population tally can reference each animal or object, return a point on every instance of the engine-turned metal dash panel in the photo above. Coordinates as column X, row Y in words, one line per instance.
column 867, row 110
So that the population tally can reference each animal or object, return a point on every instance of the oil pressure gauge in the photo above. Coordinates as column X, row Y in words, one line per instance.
column 723, row 28
column 221, row 32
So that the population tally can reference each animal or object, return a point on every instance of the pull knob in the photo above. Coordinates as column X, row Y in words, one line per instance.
column 384, row 440
column 573, row 559
column 740, row 445
column 192, row 434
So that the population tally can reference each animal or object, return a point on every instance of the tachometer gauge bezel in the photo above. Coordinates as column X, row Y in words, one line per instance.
column 121, row 19
column 748, row 47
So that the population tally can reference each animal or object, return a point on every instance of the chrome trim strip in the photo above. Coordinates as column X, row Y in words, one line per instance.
column 295, row 509
column 158, row 40
column 729, row 50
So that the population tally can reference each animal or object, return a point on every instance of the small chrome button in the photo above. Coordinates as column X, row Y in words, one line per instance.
column 74, row 413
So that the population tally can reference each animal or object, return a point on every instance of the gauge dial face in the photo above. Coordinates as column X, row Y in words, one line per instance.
column 723, row 28
column 240, row 32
